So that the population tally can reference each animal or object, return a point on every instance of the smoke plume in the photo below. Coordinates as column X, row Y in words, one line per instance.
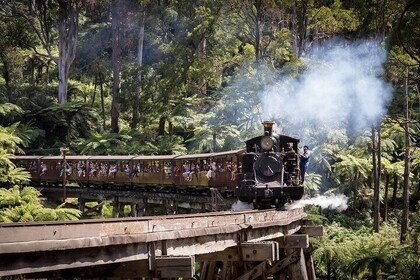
column 336, row 202
column 239, row 205
column 341, row 87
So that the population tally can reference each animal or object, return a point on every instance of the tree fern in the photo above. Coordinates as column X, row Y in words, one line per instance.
column 8, row 140
column 374, row 253
column 7, row 108
column 312, row 182
column 24, row 205
column 67, row 214
column 9, row 198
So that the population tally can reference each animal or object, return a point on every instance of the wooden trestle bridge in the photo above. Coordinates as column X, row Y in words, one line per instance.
column 219, row 245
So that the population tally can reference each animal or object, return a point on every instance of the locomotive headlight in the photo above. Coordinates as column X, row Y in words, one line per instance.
column 267, row 143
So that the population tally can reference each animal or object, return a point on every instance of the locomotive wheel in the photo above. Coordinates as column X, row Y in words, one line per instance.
column 260, row 205
column 281, row 202
column 280, row 205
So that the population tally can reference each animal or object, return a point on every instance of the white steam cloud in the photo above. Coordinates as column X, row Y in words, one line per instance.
column 239, row 205
column 340, row 88
column 335, row 202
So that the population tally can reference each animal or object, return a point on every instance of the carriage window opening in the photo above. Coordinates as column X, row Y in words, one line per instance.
column 113, row 169
column 138, row 167
column 69, row 168
column 127, row 169
column 146, row 168
column 44, row 168
column 81, row 168
column 93, row 168
column 60, row 168
column 186, row 172
column 33, row 165
column 167, row 168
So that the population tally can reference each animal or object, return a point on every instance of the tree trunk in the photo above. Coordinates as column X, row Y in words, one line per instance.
column 116, row 63
column 302, row 22
column 32, row 72
column 68, row 25
column 258, row 4
column 136, row 104
column 294, row 29
column 162, row 122
column 202, row 48
column 385, row 217
column 170, row 129
column 375, row 183
column 102, row 100
column 406, row 184
column 394, row 191
column 95, row 83
column 47, row 73
column 214, row 143
column 329, row 270
column 6, row 77
column 62, row 82
column 32, row 6
column 355, row 193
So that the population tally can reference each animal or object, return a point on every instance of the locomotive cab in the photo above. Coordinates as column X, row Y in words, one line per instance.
column 270, row 170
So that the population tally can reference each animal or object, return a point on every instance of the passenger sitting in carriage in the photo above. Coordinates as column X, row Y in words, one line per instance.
column 43, row 168
column 81, row 169
column 113, row 169
column 69, row 169
column 187, row 171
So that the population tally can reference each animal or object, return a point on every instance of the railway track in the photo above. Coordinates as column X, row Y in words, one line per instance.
column 42, row 247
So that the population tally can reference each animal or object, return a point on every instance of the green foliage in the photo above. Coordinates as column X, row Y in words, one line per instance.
column 9, row 174
column 312, row 182
column 129, row 143
column 61, row 124
column 8, row 108
column 8, row 140
column 102, row 144
column 163, row 145
column 24, row 205
column 335, row 19
column 362, row 253
column 14, row 175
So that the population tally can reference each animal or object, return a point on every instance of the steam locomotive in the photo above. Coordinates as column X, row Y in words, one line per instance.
column 265, row 174
column 270, row 170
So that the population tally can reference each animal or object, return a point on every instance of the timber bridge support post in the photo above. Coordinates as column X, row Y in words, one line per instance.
column 289, row 257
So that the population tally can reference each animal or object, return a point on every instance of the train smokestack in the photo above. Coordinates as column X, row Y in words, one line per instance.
column 268, row 127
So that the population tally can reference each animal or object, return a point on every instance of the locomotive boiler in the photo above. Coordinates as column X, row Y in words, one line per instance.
column 270, row 170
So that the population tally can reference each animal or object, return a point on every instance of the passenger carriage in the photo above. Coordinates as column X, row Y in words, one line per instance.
column 193, row 173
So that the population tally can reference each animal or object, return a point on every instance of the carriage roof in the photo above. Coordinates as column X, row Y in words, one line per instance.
column 133, row 157
column 209, row 155
column 157, row 157
column 23, row 157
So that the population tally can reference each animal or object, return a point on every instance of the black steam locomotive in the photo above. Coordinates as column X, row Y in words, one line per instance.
column 270, row 170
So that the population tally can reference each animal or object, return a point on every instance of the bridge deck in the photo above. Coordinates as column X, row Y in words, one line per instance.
column 39, row 247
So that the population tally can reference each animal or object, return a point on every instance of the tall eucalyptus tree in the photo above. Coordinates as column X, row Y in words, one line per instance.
column 45, row 18
column 140, row 46
column 117, row 27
